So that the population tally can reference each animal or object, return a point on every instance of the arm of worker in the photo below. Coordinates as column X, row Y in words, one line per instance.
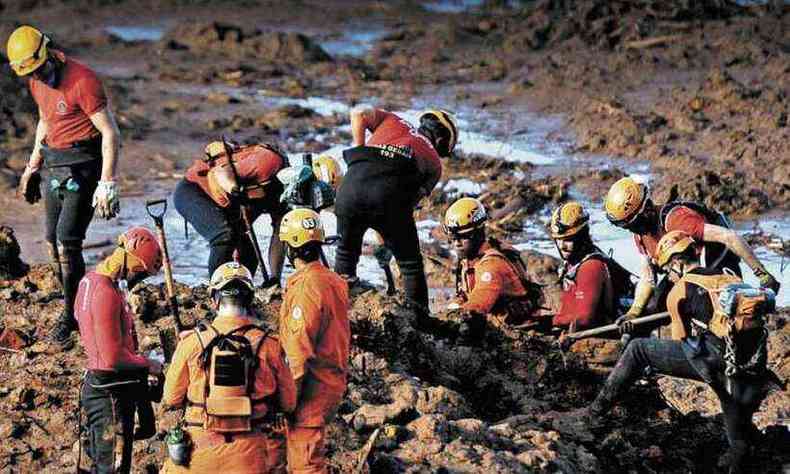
column 644, row 289
column 36, row 160
column 579, row 305
column 33, row 166
column 177, row 376
column 364, row 118
column 299, row 327
column 106, row 198
column 276, row 251
column 286, row 387
column 738, row 246
column 108, row 331
column 488, row 287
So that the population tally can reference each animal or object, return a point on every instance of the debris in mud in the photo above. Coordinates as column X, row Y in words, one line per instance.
column 11, row 265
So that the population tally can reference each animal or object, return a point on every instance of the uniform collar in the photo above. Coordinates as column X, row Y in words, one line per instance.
column 309, row 268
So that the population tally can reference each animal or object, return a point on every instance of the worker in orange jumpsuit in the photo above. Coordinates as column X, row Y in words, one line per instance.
column 316, row 336
column 491, row 278
column 218, row 443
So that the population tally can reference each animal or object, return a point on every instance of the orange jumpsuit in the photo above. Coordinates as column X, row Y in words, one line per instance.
column 489, row 282
column 316, row 336
column 248, row 453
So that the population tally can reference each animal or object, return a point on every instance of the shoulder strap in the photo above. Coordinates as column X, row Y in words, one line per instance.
column 711, row 283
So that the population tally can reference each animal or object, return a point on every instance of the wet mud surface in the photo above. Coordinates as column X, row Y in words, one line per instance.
column 556, row 99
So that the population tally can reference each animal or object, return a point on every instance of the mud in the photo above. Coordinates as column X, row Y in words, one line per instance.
column 695, row 90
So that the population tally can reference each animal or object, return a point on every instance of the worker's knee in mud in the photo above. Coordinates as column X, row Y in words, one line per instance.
column 67, row 250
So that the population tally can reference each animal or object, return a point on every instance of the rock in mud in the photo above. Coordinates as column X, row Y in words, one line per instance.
column 11, row 265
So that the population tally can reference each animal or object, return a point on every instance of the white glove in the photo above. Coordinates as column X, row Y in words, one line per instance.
column 106, row 200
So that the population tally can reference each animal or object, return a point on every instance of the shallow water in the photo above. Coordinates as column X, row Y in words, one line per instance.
column 357, row 42
column 137, row 33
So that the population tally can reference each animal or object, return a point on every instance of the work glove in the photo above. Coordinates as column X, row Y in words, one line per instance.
column 624, row 324
column 30, row 185
column 767, row 280
column 106, row 200
column 383, row 255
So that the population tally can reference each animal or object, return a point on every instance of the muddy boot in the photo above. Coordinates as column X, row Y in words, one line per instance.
column 61, row 334
column 736, row 458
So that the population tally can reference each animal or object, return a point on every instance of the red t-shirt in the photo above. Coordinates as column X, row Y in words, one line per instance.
column 67, row 109
column 389, row 129
column 584, row 298
column 255, row 164
column 106, row 325
column 680, row 218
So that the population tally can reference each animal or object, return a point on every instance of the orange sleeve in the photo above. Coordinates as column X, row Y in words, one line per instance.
column 580, row 301
column 687, row 220
column 378, row 116
column 90, row 94
column 177, row 376
column 286, row 389
column 674, row 300
column 299, row 327
column 489, row 284
column 259, row 165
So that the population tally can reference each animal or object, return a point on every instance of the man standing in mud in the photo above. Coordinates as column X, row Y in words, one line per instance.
column 491, row 278
column 117, row 376
column 592, row 282
column 76, row 143
column 629, row 206
column 719, row 343
column 316, row 336
column 388, row 174
column 209, row 197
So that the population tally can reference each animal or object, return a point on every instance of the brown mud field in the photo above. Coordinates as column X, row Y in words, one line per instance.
column 695, row 94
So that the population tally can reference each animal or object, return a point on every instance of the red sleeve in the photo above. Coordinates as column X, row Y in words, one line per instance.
column 107, row 309
column 431, row 169
column 580, row 301
column 379, row 116
column 90, row 94
column 687, row 220
column 259, row 166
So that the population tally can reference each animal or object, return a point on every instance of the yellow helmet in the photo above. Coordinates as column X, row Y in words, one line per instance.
column 326, row 169
column 625, row 200
column 464, row 216
column 301, row 226
column 448, row 122
column 230, row 272
column 27, row 50
column 672, row 243
column 567, row 220
column 214, row 149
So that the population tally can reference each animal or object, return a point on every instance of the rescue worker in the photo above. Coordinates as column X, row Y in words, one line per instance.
column 316, row 336
column 629, row 206
column 209, row 199
column 116, row 378
column 735, row 369
column 490, row 278
column 233, row 378
column 388, row 173
column 592, row 282
column 77, row 146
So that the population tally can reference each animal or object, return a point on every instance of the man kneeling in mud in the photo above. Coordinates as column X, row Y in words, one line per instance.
column 491, row 279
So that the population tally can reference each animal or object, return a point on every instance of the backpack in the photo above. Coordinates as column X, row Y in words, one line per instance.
column 532, row 300
column 622, row 285
column 230, row 361
column 737, row 306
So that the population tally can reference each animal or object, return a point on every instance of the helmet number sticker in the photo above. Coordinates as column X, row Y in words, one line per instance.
column 309, row 223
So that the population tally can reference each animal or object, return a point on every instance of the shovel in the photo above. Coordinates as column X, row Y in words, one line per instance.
column 156, row 209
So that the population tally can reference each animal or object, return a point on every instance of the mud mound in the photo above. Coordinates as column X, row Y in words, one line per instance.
column 267, row 47
column 11, row 266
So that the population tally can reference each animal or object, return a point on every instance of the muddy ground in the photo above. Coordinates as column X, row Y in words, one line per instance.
column 700, row 92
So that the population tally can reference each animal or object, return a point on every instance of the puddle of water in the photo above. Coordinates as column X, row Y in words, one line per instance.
column 136, row 33
column 452, row 6
column 355, row 43
column 467, row 187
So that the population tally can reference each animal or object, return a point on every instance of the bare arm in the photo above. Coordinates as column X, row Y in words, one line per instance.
column 644, row 288
column 362, row 119
column 35, row 161
column 734, row 242
column 104, row 121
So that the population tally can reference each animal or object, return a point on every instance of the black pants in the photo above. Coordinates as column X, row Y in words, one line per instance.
column 68, row 200
column 109, row 408
column 700, row 362
column 374, row 198
column 223, row 228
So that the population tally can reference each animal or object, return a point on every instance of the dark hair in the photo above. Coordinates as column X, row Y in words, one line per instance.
column 235, row 293
column 439, row 136
column 309, row 252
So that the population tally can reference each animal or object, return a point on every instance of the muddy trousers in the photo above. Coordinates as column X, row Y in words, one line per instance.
column 109, row 423
column 68, row 200
column 306, row 450
column 223, row 228
column 667, row 357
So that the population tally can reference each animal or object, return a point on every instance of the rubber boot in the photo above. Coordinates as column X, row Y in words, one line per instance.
column 739, row 452
column 415, row 288
column 72, row 268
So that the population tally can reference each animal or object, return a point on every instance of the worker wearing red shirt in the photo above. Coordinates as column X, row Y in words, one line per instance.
column 206, row 197
column 388, row 173
column 76, row 144
column 628, row 205
column 589, row 291
column 491, row 279
column 116, row 373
